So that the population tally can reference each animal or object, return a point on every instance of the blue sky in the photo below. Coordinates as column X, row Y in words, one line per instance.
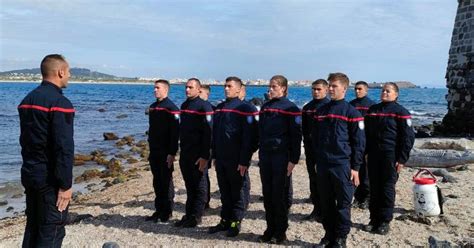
column 303, row 39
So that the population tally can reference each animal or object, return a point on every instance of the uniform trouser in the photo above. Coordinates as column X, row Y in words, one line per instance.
column 208, row 199
column 363, row 190
column 231, row 187
column 163, row 185
column 290, row 191
column 313, row 186
column 195, row 182
column 275, row 187
column 335, row 191
column 44, row 223
column 383, row 177
column 246, row 188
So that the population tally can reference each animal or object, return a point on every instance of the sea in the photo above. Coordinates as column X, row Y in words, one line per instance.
column 120, row 108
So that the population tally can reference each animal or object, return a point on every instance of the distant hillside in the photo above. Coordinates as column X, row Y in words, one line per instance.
column 400, row 84
column 80, row 74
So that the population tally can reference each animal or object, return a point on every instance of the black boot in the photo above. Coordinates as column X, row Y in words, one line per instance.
column 383, row 229
column 279, row 239
column 340, row 243
column 165, row 217
column 266, row 237
column 182, row 221
column 222, row 226
column 326, row 242
column 234, row 229
column 372, row 226
column 193, row 221
column 154, row 217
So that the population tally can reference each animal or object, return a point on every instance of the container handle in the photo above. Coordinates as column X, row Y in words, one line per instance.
column 424, row 170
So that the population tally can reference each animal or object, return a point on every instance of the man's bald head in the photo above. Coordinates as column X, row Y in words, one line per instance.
column 54, row 68
column 51, row 64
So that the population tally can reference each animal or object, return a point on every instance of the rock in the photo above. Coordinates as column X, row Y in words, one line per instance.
column 447, row 178
column 135, row 149
column 3, row 202
column 79, row 162
column 76, row 218
column 142, row 143
column 119, row 179
column 452, row 196
column 122, row 116
column 144, row 153
column 110, row 245
column 435, row 243
column 123, row 155
column 102, row 110
column 444, row 145
column 120, row 143
column 97, row 153
column 132, row 160
column 108, row 184
column 110, row 136
column 83, row 157
column 467, row 242
column 16, row 196
column 101, row 161
column 424, row 131
column 114, row 165
column 414, row 218
column 129, row 139
column 88, row 175
column 9, row 209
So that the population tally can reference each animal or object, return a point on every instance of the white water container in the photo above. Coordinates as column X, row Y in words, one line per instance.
column 425, row 194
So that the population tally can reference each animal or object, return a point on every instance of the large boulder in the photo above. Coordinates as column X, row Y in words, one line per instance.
column 110, row 136
column 88, row 175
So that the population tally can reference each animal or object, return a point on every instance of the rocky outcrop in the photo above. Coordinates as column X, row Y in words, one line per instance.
column 459, row 120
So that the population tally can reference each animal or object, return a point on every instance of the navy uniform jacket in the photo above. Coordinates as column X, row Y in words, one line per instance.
column 280, row 128
column 338, row 135
column 389, row 130
column 46, row 139
column 195, row 127
column 307, row 117
column 254, row 125
column 232, row 133
column 362, row 104
column 163, row 132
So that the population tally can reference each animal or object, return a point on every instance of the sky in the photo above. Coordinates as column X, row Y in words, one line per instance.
column 374, row 41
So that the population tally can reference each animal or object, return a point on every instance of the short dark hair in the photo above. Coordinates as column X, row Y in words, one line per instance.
column 195, row 79
column 50, row 63
column 320, row 81
column 235, row 79
column 339, row 76
column 163, row 81
column 362, row 83
column 394, row 85
column 206, row 87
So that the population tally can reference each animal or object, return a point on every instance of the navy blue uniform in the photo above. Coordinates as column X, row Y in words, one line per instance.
column 307, row 124
column 362, row 191
column 280, row 143
column 163, row 135
column 47, row 148
column 254, row 147
column 390, row 138
column 232, row 146
column 339, row 143
column 195, row 142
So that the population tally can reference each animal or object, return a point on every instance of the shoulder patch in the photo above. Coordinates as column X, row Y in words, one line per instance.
column 361, row 125
column 298, row 119
column 249, row 119
column 208, row 118
column 176, row 117
column 409, row 123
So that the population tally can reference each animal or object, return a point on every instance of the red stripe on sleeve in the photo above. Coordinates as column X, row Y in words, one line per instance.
column 390, row 115
column 44, row 109
column 281, row 111
column 237, row 112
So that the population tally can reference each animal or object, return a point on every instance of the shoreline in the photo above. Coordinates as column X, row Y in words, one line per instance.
column 117, row 212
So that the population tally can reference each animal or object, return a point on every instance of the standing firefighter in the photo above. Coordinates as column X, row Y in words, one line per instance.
column 279, row 152
column 362, row 103
column 319, row 91
column 339, row 141
column 163, row 140
column 47, row 148
column 390, row 138
column 195, row 143
column 232, row 150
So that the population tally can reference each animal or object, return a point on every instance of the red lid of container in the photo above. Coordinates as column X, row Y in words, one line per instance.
column 424, row 180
